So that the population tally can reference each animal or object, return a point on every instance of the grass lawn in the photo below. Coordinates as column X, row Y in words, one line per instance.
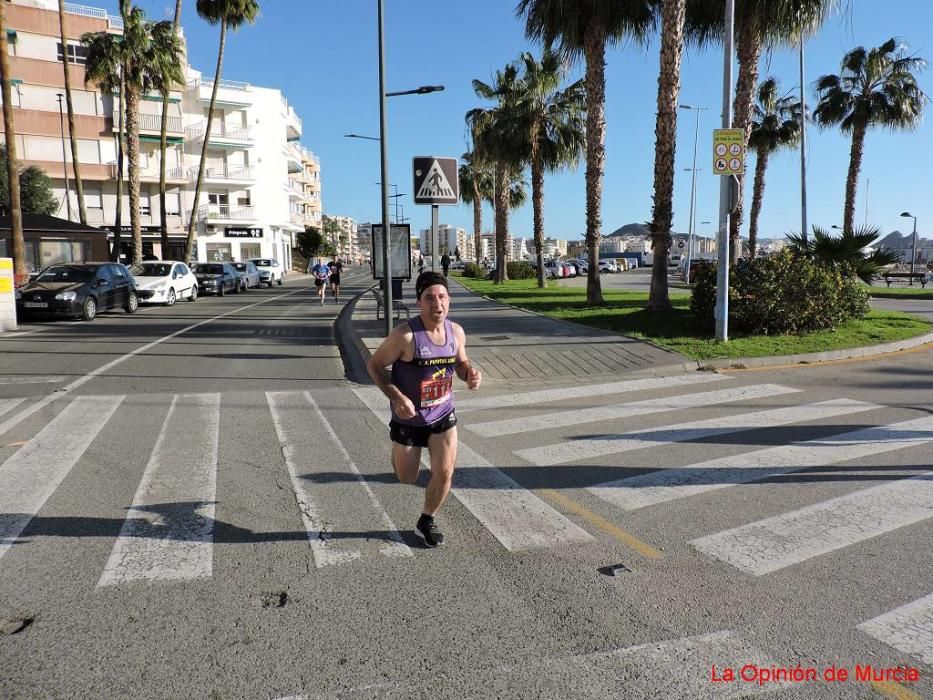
column 902, row 292
column 678, row 330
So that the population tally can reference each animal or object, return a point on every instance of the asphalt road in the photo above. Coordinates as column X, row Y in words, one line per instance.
column 194, row 503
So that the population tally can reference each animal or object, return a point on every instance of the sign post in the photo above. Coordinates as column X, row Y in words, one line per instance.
column 435, row 183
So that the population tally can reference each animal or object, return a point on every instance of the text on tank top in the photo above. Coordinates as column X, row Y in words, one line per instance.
column 428, row 379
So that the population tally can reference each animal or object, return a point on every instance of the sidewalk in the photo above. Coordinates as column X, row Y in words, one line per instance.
column 517, row 346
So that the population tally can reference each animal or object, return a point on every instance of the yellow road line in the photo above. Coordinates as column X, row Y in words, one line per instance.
column 16, row 444
column 626, row 538
column 894, row 690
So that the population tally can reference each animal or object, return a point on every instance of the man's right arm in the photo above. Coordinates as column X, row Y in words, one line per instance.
column 390, row 351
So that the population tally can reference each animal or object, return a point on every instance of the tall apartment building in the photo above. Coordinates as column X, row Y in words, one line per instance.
column 346, row 241
column 260, row 185
column 450, row 239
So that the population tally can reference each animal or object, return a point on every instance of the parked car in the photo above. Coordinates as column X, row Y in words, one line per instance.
column 269, row 270
column 217, row 278
column 249, row 274
column 164, row 282
column 553, row 269
column 78, row 290
column 608, row 266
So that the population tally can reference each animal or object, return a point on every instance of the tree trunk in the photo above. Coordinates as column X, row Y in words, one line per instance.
column 537, row 202
column 132, row 152
column 594, row 49
column 189, row 245
column 20, row 271
column 761, row 164
column 75, row 162
column 163, row 143
column 502, row 221
column 855, row 165
column 749, row 53
column 665, row 141
column 477, row 219
column 118, row 212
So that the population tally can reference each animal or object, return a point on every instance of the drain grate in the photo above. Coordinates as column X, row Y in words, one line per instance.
column 494, row 337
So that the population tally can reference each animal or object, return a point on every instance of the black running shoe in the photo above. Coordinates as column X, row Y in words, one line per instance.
column 427, row 530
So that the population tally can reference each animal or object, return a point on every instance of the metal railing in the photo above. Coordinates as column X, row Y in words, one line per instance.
column 219, row 130
column 224, row 211
column 153, row 122
column 223, row 172
column 149, row 173
column 226, row 84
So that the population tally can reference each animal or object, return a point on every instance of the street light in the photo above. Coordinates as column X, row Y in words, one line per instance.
column 913, row 251
column 61, row 121
column 357, row 136
column 693, row 184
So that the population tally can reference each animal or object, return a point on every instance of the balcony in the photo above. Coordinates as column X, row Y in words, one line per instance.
column 296, row 218
column 96, row 13
column 219, row 213
column 152, row 123
column 295, row 190
column 174, row 176
column 293, row 158
column 224, row 174
column 293, row 127
column 230, row 93
column 222, row 135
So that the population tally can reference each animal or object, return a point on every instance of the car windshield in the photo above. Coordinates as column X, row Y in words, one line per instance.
column 151, row 270
column 263, row 263
column 66, row 273
column 210, row 269
column 240, row 266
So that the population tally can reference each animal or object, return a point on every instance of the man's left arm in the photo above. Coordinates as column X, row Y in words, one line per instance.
column 464, row 369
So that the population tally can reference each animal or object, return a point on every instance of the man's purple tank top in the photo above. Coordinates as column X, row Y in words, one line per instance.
column 428, row 379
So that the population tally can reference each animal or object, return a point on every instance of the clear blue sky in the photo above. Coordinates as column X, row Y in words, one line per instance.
column 323, row 56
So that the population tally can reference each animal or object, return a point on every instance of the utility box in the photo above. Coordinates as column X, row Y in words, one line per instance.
column 7, row 298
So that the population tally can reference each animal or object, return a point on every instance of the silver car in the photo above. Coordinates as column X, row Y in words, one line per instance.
column 249, row 274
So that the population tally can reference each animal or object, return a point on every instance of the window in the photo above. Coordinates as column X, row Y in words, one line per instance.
column 145, row 202
column 219, row 252
column 77, row 53
column 93, row 199
column 11, row 42
column 118, row 271
column 172, row 203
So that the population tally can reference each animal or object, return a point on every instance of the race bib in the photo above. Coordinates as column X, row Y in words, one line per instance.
column 435, row 391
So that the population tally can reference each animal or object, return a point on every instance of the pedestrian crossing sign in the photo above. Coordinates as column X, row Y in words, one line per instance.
column 435, row 180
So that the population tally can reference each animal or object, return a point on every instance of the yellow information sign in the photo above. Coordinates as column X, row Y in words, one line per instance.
column 728, row 151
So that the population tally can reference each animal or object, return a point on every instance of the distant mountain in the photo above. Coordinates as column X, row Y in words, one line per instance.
column 894, row 240
column 629, row 230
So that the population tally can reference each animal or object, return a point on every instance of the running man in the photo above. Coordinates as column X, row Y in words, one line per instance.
column 336, row 267
column 425, row 353
column 321, row 272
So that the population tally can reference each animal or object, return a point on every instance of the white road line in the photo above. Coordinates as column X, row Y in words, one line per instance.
column 23, row 415
column 790, row 538
column 515, row 516
column 549, row 421
column 9, row 404
column 321, row 550
column 50, row 379
column 535, row 398
column 671, row 484
column 169, row 529
column 908, row 628
column 31, row 475
column 577, row 450
column 396, row 546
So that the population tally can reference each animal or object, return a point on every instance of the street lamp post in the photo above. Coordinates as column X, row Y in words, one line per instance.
column 693, row 185
column 61, row 121
column 725, row 183
column 913, row 250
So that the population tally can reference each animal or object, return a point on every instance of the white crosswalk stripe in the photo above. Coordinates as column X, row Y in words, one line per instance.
column 33, row 473
column 549, row 421
column 168, row 532
column 670, row 484
column 908, row 628
column 9, row 404
column 578, row 450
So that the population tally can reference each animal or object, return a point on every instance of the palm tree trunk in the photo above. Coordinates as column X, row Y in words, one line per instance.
column 76, row 164
column 665, row 140
column 132, row 152
column 855, row 166
column 537, row 203
column 594, row 49
column 477, row 219
column 761, row 164
column 749, row 53
column 502, row 221
column 163, row 143
column 20, row 271
column 189, row 245
column 118, row 212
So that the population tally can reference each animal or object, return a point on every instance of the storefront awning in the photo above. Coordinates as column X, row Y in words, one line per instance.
column 156, row 139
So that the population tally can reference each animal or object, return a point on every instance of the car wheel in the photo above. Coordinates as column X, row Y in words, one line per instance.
column 170, row 299
column 89, row 309
column 132, row 303
column 194, row 294
column 220, row 290
column 280, row 282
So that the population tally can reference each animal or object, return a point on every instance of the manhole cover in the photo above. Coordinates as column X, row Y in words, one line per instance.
column 494, row 337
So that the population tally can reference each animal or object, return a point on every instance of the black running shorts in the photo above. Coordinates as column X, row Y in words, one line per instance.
column 417, row 435
column 318, row 282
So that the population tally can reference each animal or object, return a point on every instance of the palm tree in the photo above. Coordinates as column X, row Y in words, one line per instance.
column 499, row 139
column 851, row 250
column 151, row 55
column 584, row 28
column 673, row 14
column 476, row 187
column 226, row 13
column 72, row 136
column 163, row 143
column 20, row 271
column 775, row 125
column 555, row 124
column 874, row 88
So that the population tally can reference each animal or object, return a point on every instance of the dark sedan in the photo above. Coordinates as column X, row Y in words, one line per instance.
column 217, row 278
column 79, row 290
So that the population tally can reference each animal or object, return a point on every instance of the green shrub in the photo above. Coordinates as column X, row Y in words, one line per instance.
column 783, row 293
column 471, row 269
column 520, row 270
